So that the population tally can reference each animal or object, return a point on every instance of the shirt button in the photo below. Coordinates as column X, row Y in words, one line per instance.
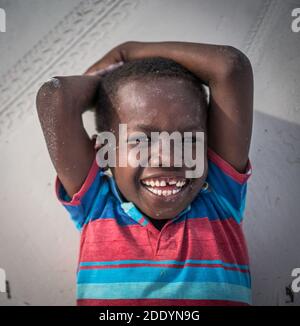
column 166, row 236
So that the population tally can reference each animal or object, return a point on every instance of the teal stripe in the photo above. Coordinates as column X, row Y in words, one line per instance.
column 236, row 214
column 145, row 222
column 170, row 262
column 163, row 274
column 149, row 290
column 133, row 212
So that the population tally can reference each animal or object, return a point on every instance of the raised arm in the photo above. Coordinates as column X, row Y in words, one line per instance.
column 60, row 104
column 226, row 71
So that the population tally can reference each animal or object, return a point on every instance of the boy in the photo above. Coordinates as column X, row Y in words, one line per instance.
column 150, row 235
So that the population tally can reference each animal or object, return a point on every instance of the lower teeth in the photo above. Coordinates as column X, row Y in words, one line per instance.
column 164, row 192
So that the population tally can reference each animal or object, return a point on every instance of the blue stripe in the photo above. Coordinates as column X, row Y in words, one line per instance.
column 236, row 214
column 226, row 186
column 170, row 262
column 160, row 274
column 183, row 290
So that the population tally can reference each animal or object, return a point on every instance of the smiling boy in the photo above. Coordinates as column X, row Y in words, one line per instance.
column 150, row 235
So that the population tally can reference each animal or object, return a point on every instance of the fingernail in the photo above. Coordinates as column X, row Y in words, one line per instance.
column 107, row 69
column 97, row 72
column 92, row 73
column 115, row 65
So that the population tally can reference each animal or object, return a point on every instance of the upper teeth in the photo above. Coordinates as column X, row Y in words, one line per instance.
column 154, row 185
column 163, row 183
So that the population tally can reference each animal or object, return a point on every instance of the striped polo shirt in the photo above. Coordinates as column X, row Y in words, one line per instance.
column 198, row 258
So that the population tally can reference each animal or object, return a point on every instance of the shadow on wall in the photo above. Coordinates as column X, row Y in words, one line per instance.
column 272, row 222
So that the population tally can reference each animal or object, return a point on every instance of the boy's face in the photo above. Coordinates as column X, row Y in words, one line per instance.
column 162, row 105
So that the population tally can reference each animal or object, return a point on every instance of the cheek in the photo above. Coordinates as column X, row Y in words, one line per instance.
column 121, row 157
column 197, row 183
column 194, row 159
column 126, row 179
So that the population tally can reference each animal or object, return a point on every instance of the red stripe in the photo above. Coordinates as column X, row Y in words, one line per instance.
column 84, row 188
column 157, row 302
column 229, row 169
column 199, row 239
column 164, row 265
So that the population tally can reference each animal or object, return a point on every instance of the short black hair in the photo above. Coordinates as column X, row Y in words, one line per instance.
column 139, row 69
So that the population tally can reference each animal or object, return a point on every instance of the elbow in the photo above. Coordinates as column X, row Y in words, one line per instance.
column 50, row 93
column 234, row 62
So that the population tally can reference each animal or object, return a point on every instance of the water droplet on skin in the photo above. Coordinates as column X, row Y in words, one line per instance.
column 55, row 82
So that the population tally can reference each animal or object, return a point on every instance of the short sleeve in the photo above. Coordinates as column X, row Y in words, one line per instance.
column 229, row 185
column 81, row 203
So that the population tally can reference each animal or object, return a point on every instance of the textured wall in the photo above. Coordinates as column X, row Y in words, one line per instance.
column 38, row 243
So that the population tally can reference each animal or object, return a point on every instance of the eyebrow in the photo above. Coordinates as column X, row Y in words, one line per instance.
column 150, row 128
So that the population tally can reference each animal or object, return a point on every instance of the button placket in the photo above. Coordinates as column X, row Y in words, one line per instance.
column 166, row 239
column 166, row 236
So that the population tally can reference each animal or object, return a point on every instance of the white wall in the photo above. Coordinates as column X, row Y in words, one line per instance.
column 38, row 243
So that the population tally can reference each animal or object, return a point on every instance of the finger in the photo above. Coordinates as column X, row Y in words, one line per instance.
column 111, row 57
column 114, row 66
column 101, row 64
column 96, row 73
column 103, row 71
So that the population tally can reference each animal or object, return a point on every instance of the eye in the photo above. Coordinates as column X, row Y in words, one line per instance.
column 135, row 140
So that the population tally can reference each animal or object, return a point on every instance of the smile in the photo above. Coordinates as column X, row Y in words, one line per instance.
column 165, row 186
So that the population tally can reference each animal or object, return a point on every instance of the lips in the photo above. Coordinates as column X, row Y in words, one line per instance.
column 165, row 186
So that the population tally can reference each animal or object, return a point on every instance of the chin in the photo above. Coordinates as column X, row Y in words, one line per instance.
column 166, row 213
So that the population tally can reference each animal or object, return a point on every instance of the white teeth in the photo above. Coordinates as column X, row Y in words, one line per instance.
column 164, row 193
column 180, row 183
column 153, row 185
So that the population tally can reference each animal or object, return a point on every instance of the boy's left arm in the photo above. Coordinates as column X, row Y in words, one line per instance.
column 227, row 72
column 231, row 105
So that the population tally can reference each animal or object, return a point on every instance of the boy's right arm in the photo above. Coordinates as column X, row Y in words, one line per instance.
column 60, row 104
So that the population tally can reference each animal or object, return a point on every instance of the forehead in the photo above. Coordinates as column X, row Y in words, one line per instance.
column 165, row 104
